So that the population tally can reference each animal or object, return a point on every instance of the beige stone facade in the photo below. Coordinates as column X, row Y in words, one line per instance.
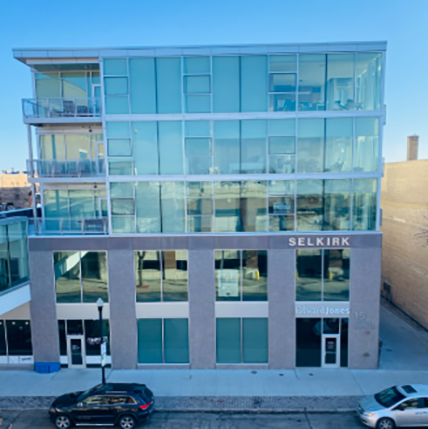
column 404, row 203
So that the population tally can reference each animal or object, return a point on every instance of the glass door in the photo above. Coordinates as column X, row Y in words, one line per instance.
column 330, row 351
column 76, row 351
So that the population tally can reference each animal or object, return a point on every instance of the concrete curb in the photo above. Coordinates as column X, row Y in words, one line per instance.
column 233, row 404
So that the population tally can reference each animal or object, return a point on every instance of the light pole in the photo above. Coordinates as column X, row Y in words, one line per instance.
column 100, row 304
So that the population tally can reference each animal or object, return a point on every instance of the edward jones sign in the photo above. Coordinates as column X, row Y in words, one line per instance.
column 307, row 241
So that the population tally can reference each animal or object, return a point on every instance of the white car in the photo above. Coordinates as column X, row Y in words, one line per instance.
column 397, row 406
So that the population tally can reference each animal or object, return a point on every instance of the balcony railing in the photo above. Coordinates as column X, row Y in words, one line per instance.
column 61, row 107
column 73, row 226
column 66, row 168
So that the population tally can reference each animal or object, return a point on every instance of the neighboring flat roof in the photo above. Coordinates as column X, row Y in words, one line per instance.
column 12, row 219
column 32, row 55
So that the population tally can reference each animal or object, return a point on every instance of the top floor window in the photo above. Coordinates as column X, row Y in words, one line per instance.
column 247, row 83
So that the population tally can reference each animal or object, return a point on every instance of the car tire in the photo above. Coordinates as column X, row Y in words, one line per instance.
column 385, row 423
column 63, row 422
column 127, row 422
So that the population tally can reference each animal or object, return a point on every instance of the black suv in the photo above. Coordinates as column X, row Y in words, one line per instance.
column 123, row 404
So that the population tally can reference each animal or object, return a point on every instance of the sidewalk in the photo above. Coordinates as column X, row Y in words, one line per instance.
column 303, row 389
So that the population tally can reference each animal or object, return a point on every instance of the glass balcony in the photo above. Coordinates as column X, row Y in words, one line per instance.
column 47, row 168
column 34, row 108
column 70, row 226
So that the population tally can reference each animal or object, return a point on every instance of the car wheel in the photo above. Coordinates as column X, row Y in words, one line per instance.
column 62, row 422
column 127, row 422
column 385, row 423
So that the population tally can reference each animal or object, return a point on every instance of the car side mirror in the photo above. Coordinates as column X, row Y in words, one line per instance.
column 80, row 404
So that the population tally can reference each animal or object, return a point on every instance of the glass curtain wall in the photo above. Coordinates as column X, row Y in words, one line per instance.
column 13, row 255
column 228, row 84
column 252, row 206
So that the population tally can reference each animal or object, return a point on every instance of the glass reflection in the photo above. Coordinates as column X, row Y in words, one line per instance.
column 308, row 281
column 340, row 81
column 148, row 276
column 94, row 276
column 254, row 275
column 227, row 206
column 338, row 150
column 253, row 206
column 368, row 79
column 336, row 275
column 226, row 147
column 337, row 199
column 309, row 205
column 366, row 157
column 147, row 204
column 310, row 146
column 67, row 277
column 364, row 204
column 174, row 275
column 312, row 72
column 228, row 275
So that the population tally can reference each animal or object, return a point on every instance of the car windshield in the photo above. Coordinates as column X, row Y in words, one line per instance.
column 389, row 397
column 88, row 392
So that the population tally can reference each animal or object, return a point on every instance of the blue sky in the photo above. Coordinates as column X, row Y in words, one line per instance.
column 100, row 23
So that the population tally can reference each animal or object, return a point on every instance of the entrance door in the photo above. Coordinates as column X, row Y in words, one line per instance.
column 331, row 351
column 76, row 351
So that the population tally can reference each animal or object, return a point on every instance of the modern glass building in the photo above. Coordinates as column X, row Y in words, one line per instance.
column 223, row 201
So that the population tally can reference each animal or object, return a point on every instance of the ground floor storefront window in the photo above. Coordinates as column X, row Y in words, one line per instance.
column 80, row 342
column 163, row 341
column 321, row 342
column 15, row 342
column 242, row 340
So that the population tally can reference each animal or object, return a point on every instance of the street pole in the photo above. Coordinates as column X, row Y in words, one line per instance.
column 100, row 303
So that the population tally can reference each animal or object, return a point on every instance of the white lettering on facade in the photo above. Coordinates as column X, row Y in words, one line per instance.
column 319, row 241
column 319, row 309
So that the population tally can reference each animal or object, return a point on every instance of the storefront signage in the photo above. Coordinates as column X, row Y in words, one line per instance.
column 313, row 309
column 319, row 241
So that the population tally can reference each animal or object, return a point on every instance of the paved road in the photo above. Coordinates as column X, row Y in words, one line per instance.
column 39, row 420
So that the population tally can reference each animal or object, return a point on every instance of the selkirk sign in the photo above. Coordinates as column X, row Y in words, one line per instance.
column 314, row 241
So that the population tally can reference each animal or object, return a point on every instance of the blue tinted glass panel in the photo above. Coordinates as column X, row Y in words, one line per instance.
column 337, row 200
column 142, row 85
column 115, row 67
column 168, row 85
column 145, row 148
column 253, row 146
column 226, row 147
column 254, row 84
column 120, row 167
column 121, row 189
column 118, row 129
column 340, row 81
column 338, row 147
column 283, row 63
column 282, row 164
column 228, row 339
column 197, row 128
column 310, row 146
column 116, row 105
column 282, row 102
column 282, row 145
column 255, row 340
column 173, row 207
column 368, row 81
column 364, row 204
column 197, row 84
column 198, row 147
column 197, row 65
column 227, row 207
column 198, row 165
column 226, row 84
column 147, row 202
column 309, row 202
column 150, row 341
column 198, row 103
column 122, row 206
column 119, row 147
column 312, row 76
column 176, row 341
column 280, row 82
column 366, row 155
column 123, row 224
column 171, row 147
column 116, row 85
column 282, row 127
